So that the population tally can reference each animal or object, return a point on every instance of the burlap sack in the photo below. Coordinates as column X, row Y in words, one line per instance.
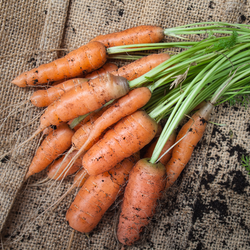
column 208, row 207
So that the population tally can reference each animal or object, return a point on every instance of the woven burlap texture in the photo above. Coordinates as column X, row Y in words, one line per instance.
column 208, row 207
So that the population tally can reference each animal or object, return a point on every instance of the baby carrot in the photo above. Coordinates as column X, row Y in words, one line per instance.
column 53, row 145
column 83, row 60
column 144, row 188
column 135, row 35
column 190, row 133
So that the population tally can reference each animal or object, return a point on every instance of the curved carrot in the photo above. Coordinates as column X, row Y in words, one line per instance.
column 141, row 66
column 135, row 35
column 128, row 136
column 193, row 131
column 55, row 170
column 53, row 145
column 96, row 195
column 144, row 188
column 164, row 160
column 106, row 68
column 43, row 98
column 83, row 60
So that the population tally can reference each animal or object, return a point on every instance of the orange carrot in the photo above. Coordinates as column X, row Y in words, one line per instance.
column 141, row 66
column 128, row 136
column 85, row 59
column 82, row 133
column 125, row 106
column 43, row 98
column 193, row 131
column 97, row 194
column 144, row 188
column 164, row 160
column 135, row 35
column 84, row 98
column 55, row 170
column 106, row 68
column 53, row 145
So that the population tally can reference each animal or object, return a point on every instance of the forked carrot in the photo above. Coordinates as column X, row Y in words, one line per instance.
column 144, row 188
column 53, row 145
column 83, row 60
column 135, row 35
column 97, row 194
column 128, row 136
column 190, row 134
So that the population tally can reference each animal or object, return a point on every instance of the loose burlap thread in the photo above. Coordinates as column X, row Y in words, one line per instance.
column 208, row 207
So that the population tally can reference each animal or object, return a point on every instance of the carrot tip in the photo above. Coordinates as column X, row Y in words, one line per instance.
column 19, row 82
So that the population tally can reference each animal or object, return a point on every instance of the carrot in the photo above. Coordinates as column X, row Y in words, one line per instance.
column 55, row 170
column 84, row 98
column 144, row 188
column 125, row 106
column 85, row 59
column 128, row 136
column 97, row 194
column 43, row 98
column 82, row 133
column 164, row 160
column 141, row 66
column 53, row 145
column 106, row 68
column 135, row 35
column 193, row 131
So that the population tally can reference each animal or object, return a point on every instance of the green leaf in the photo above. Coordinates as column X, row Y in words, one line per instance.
column 226, row 43
column 245, row 162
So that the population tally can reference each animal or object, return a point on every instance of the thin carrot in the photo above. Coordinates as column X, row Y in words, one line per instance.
column 128, row 136
column 97, row 194
column 144, row 188
column 141, row 66
column 106, row 68
column 190, row 133
column 55, row 170
column 164, row 160
column 85, row 59
column 43, row 98
column 135, row 35
column 53, row 145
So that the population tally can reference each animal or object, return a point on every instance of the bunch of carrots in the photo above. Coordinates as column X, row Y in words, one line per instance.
column 105, row 118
